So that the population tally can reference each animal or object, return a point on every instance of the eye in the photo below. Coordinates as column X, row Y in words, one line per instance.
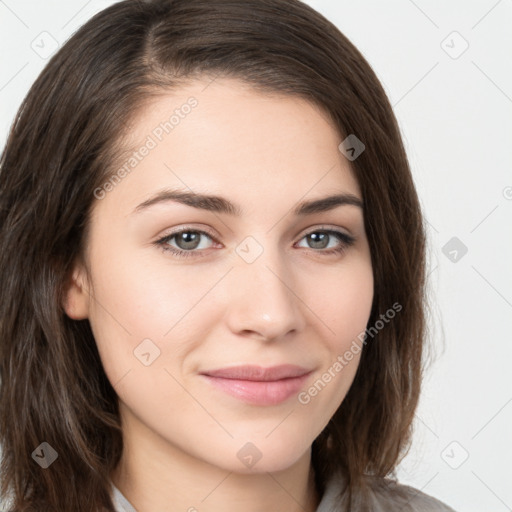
column 321, row 237
column 188, row 240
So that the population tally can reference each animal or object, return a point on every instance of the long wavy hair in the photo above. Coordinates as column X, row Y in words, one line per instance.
column 63, row 144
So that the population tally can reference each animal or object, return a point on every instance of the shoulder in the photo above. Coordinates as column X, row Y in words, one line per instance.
column 388, row 494
column 383, row 495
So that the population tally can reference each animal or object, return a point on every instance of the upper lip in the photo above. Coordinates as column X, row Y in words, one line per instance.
column 258, row 373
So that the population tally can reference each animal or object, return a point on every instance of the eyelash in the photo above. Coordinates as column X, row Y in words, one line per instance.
column 346, row 242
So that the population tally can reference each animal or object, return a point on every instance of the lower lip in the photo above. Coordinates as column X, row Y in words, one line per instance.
column 259, row 392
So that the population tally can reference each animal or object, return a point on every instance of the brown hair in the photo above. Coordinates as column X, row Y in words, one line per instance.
column 62, row 146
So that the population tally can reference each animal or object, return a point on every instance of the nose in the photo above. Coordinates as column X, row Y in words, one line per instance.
column 262, row 301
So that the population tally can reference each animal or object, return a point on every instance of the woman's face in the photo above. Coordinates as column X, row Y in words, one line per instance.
column 259, row 285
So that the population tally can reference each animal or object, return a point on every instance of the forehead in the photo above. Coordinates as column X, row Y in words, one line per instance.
column 224, row 137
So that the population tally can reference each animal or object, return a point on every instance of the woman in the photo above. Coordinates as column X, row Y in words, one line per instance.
column 178, row 179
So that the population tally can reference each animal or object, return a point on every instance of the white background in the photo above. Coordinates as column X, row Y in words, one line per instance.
column 455, row 112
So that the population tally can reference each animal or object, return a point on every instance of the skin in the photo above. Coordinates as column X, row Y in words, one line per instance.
column 292, row 304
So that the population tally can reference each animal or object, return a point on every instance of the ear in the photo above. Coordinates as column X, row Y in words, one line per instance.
column 76, row 295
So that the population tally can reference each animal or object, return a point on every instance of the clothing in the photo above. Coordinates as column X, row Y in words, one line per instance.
column 386, row 496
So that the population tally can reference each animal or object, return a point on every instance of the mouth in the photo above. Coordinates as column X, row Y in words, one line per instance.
column 258, row 385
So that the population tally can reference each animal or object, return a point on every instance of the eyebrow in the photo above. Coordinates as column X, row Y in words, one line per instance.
column 218, row 204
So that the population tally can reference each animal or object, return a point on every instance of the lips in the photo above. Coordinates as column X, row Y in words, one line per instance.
column 258, row 373
column 259, row 385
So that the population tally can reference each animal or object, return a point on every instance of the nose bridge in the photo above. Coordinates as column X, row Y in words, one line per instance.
column 263, row 300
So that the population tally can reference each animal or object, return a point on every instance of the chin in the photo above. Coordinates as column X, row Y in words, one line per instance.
column 262, row 455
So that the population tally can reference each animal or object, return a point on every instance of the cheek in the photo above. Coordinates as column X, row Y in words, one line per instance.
column 139, row 307
column 344, row 304
column 345, row 307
